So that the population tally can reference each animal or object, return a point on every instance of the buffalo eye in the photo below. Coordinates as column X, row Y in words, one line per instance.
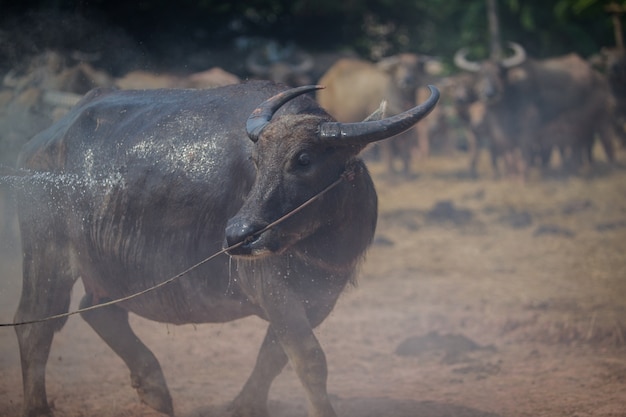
column 254, row 160
column 303, row 159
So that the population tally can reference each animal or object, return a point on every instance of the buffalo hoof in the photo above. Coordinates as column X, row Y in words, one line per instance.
column 152, row 391
column 39, row 412
column 240, row 408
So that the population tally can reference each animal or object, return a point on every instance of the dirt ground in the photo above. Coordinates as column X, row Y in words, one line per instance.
column 478, row 298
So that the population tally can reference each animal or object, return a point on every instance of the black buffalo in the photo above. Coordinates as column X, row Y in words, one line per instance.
column 531, row 106
column 132, row 187
column 612, row 63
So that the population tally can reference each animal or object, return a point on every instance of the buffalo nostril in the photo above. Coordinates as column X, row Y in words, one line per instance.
column 239, row 232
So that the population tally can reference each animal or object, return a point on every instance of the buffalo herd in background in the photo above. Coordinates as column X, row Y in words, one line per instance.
column 520, row 109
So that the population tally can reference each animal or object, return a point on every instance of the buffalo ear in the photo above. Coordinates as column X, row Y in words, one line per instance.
column 379, row 114
column 362, row 133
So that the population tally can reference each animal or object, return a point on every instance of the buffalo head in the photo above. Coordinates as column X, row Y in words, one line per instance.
column 287, row 65
column 404, row 70
column 492, row 74
column 297, row 156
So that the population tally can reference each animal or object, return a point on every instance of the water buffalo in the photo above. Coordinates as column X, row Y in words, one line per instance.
column 141, row 79
column 288, row 65
column 526, row 101
column 355, row 88
column 469, row 111
column 133, row 187
column 612, row 63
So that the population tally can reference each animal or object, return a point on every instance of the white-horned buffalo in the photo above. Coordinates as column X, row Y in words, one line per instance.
column 132, row 187
column 282, row 64
column 355, row 89
column 533, row 105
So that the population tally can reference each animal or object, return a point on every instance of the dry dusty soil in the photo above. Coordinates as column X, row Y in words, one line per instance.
column 478, row 298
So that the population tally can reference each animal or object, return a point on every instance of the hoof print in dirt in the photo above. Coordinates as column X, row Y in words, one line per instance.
column 554, row 230
column 576, row 206
column 405, row 219
column 480, row 370
column 446, row 212
column 476, row 195
column 517, row 219
column 455, row 347
column 610, row 226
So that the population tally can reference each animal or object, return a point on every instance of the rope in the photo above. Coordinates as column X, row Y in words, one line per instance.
column 348, row 175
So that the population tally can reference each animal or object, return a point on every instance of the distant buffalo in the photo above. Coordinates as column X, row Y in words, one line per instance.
column 354, row 89
column 141, row 79
column 532, row 106
column 612, row 63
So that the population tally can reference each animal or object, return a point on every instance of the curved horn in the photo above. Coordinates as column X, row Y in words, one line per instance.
column 461, row 61
column 261, row 116
column 519, row 56
column 365, row 132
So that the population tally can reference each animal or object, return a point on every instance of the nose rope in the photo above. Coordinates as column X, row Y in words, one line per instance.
column 348, row 174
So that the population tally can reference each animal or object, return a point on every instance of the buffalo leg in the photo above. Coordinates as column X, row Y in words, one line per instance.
column 111, row 324
column 308, row 359
column 494, row 154
column 46, row 289
column 545, row 155
column 608, row 138
column 473, row 149
column 291, row 324
column 305, row 354
column 252, row 401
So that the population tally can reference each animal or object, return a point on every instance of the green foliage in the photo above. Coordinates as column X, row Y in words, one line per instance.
column 371, row 27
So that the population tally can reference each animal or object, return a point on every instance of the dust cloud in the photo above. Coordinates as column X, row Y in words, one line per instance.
column 511, row 296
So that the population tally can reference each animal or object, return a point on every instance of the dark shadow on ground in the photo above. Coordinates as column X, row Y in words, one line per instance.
column 362, row 407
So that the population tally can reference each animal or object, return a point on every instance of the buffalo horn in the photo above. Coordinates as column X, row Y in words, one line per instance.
column 461, row 61
column 519, row 56
column 261, row 116
column 363, row 133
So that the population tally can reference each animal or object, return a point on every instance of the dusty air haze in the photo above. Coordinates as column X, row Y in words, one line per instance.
column 479, row 297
